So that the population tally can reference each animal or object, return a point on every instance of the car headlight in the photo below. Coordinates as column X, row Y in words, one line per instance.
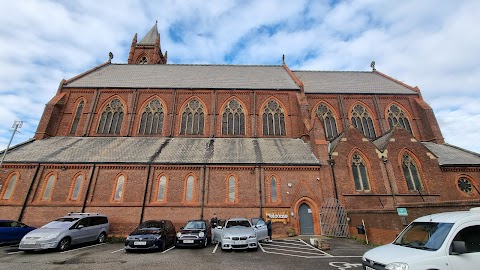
column 50, row 236
column 252, row 236
column 201, row 234
column 179, row 234
column 396, row 266
column 130, row 237
column 225, row 237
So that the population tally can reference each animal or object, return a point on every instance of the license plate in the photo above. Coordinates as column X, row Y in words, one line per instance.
column 139, row 243
column 188, row 241
column 368, row 268
column 29, row 242
column 240, row 242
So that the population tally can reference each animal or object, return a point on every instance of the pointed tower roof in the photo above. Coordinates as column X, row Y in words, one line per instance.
column 151, row 37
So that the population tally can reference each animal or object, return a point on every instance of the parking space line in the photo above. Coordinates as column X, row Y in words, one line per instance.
column 296, row 243
column 287, row 246
column 117, row 250
column 10, row 253
column 216, row 246
column 296, row 251
column 168, row 249
column 71, row 250
column 315, row 248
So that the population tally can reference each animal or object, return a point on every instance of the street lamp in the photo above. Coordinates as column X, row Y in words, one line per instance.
column 16, row 126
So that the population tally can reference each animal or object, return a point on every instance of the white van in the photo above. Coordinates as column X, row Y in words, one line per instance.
column 440, row 241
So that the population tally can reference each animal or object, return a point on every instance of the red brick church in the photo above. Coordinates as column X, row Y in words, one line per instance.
column 316, row 151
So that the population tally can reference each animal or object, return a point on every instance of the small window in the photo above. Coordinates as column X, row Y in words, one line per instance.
column 465, row 185
column 77, row 186
column 162, row 184
column 359, row 170
column 47, row 191
column 189, row 191
column 11, row 185
column 78, row 114
column 119, row 188
column 143, row 60
column 273, row 189
column 410, row 171
column 232, row 188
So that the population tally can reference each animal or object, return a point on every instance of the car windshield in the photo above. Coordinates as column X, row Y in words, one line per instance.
column 238, row 223
column 424, row 235
column 195, row 225
column 150, row 225
column 60, row 223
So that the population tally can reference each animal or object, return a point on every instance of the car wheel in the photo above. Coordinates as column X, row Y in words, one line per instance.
column 101, row 238
column 64, row 244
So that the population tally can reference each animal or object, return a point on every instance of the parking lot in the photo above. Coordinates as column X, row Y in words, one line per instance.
column 279, row 254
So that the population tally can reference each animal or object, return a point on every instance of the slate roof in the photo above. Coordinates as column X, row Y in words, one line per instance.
column 151, row 37
column 271, row 151
column 381, row 142
column 349, row 82
column 187, row 76
column 450, row 155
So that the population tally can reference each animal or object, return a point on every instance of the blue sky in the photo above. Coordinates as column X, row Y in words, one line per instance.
column 432, row 44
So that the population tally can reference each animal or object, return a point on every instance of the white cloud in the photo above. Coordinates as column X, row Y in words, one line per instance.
column 426, row 43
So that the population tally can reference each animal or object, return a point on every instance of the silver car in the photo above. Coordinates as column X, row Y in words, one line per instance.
column 75, row 228
column 238, row 233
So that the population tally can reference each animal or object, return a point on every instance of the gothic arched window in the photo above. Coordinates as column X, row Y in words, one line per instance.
column 162, row 188
column 359, row 170
column 118, row 195
column 76, row 187
column 232, row 189
column 273, row 189
column 143, row 60
column 111, row 118
column 273, row 119
column 362, row 121
column 396, row 116
column 192, row 118
column 12, row 181
column 328, row 119
column 233, row 119
column 410, row 171
column 189, row 188
column 78, row 114
column 152, row 118
column 47, row 190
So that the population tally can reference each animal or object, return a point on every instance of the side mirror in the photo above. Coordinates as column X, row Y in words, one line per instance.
column 219, row 227
column 181, row 228
column 80, row 226
column 458, row 247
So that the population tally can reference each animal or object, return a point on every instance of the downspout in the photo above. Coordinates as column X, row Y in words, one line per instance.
column 331, row 162
column 260, row 189
column 254, row 114
column 28, row 194
column 173, row 112
column 145, row 193
column 214, row 113
column 385, row 160
column 88, row 188
column 203, row 190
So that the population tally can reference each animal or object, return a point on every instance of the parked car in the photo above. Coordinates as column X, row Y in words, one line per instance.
column 151, row 235
column 12, row 231
column 196, row 233
column 440, row 241
column 75, row 228
column 238, row 233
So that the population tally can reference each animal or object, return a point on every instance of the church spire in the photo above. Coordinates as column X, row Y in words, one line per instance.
column 148, row 50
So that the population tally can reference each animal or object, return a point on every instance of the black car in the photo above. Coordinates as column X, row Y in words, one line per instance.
column 196, row 233
column 151, row 235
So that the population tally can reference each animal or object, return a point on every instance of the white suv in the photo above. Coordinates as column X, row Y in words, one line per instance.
column 448, row 240
column 75, row 228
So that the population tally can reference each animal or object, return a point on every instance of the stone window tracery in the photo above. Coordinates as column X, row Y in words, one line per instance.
column 328, row 119
column 192, row 118
column 465, row 185
column 151, row 121
column 411, row 173
column 233, row 119
column 359, row 170
column 397, row 116
column 143, row 60
column 111, row 118
column 273, row 119
column 362, row 121
column 78, row 114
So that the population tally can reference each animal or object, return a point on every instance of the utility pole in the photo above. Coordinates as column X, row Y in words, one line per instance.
column 16, row 126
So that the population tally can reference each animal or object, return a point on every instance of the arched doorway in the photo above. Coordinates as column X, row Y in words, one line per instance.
column 306, row 219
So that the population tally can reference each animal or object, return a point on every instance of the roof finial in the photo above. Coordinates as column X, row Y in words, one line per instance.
column 283, row 58
column 372, row 65
column 156, row 21
column 110, row 57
